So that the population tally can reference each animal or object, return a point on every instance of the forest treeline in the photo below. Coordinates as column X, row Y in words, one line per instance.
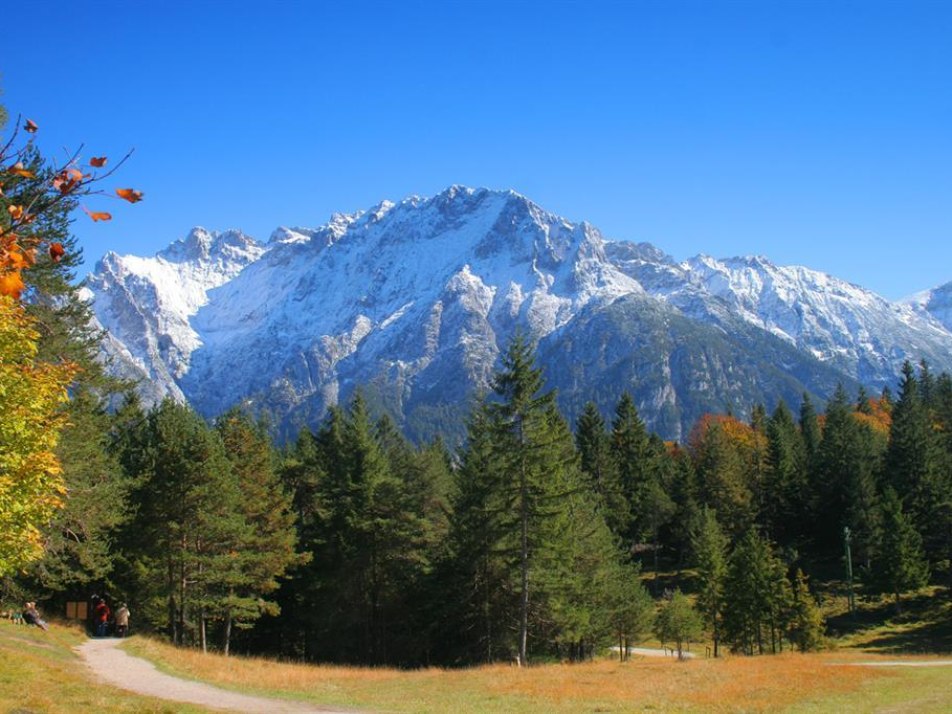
column 526, row 540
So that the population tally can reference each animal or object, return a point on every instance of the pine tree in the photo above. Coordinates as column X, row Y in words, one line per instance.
column 759, row 597
column 914, row 467
column 899, row 565
column 782, row 500
column 835, row 463
column 530, row 455
column 806, row 626
column 711, row 553
column 595, row 453
column 722, row 477
column 638, row 463
column 482, row 594
column 809, row 429
column 266, row 507
column 188, row 523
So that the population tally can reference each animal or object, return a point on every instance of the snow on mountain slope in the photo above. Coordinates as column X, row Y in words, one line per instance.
column 391, row 289
column 413, row 301
column 146, row 304
column 935, row 303
column 840, row 323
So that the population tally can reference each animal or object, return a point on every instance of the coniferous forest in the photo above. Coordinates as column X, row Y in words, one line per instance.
column 525, row 541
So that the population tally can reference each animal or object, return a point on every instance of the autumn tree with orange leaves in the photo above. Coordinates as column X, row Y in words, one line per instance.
column 33, row 392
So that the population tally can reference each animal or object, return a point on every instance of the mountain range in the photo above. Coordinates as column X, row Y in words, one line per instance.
column 414, row 301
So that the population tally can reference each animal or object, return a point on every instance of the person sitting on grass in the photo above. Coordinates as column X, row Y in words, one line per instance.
column 31, row 616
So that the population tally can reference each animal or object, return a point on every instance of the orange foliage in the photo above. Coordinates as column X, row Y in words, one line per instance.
column 131, row 195
column 745, row 437
column 18, row 244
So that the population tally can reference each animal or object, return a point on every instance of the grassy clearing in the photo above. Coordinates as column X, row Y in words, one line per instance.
column 801, row 683
column 39, row 672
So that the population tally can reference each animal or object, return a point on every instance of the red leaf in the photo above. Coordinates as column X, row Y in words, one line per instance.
column 30, row 126
column 97, row 161
column 57, row 251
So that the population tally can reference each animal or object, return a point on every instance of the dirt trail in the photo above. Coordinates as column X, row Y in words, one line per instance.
column 114, row 666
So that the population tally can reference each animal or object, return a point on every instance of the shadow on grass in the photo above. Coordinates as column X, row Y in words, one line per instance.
column 924, row 627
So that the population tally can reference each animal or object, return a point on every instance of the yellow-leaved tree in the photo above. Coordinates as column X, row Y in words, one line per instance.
column 33, row 392
column 31, row 396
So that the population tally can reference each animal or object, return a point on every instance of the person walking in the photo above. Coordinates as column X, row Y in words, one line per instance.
column 122, row 620
column 102, row 618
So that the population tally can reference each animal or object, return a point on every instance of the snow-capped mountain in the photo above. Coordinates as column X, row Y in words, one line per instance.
column 935, row 303
column 413, row 302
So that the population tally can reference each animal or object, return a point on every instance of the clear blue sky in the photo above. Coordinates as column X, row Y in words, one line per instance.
column 816, row 133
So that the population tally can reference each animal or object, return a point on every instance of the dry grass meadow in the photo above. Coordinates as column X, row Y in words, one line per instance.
column 788, row 682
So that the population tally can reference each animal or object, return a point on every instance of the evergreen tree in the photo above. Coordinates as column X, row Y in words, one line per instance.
column 722, row 477
column 711, row 553
column 534, row 462
column 639, row 461
column 759, row 597
column 595, row 452
column 782, row 500
column 806, row 626
column 533, row 558
column 266, row 507
column 900, row 564
column 914, row 468
column 482, row 594
column 809, row 429
column 188, row 524
column 680, row 485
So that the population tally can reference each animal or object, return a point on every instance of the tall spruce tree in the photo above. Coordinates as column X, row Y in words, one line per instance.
column 595, row 452
column 722, row 478
column 638, row 464
column 710, row 545
column 522, row 420
column 809, row 429
column 759, row 597
column 899, row 564
column 914, row 467
column 782, row 499
column 266, row 507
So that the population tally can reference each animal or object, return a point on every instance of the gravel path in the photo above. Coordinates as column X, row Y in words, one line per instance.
column 113, row 666
column 652, row 652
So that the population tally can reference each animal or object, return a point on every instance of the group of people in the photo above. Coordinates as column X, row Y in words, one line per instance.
column 103, row 617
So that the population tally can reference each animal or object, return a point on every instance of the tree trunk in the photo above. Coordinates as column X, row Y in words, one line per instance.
column 173, row 630
column 524, row 551
column 227, row 633
column 183, row 587
column 201, row 631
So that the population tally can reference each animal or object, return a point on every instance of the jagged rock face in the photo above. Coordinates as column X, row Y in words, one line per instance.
column 414, row 301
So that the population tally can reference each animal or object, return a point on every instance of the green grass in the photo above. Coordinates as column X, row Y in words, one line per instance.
column 913, row 690
column 40, row 672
